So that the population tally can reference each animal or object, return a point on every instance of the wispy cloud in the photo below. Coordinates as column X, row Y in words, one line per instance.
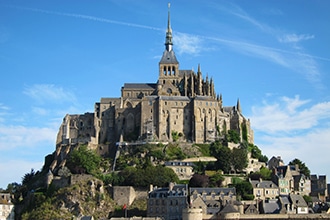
column 288, row 115
column 294, row 38
column 44, row 93
column 293, row 57
column 12, row 137
column 88, row 17
column 240, row 13
column 187, row 43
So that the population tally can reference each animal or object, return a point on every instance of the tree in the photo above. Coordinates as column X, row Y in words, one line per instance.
column 233, row 136
column 83, row 160
column 302, row 167
column 155, row 175
column 256, row 153
column 223, row 155
column 239, row 159
column 264, row 173
column 199, row 180
column 245, row 190
column 28, row 177
column 216, row 180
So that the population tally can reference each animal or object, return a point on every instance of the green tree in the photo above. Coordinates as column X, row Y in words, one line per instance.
column 199, row 180
column 142, row 177
column 223, row 156
column 256, row 153
column 302, row 166
column 83, row 160
column 216, row 180
column 245, row 190
column 28, row 177
column 264, row 173
column 199, row 167
column 239, row 159
column 233, row 136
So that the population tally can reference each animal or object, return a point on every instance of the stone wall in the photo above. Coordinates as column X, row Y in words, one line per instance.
column 123, row 195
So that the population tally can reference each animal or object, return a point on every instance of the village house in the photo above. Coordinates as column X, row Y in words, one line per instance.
column 264, row 189
column 6, row 207
column 168, row 202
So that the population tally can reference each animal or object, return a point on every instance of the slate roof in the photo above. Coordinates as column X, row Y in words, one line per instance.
column 150, row 86
column 185, row 72
column 263, row 184
column 168, row 58
column 204, row 98
column 229, row 208
column 178, row 190
column 175, row 98
column 298, row 200
column 209, row 191
column 271, row 207
column 212, row 206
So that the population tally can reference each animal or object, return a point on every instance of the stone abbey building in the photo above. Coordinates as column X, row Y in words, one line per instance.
column 181, row 103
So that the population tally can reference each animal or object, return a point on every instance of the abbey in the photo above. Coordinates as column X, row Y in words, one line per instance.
column 180, row 105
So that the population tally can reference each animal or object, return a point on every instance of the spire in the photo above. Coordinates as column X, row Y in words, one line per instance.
column 168, row 41
column 239, row 106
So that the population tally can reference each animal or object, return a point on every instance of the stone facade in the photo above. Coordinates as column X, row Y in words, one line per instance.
column 181, row 103
column 123, row 195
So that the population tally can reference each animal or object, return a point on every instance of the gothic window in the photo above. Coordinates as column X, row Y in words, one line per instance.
column 169, row 70
column 169, row 91
column 164, row 72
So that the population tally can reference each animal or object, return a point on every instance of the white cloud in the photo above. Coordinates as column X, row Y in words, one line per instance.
column 294, row 38
column 287, row 115
column 45, row 93
column 13, row 137
column 294, row 128
column 311, row 147
column 187, row 43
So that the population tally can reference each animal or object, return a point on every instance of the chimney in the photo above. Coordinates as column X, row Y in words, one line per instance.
column 170, row 186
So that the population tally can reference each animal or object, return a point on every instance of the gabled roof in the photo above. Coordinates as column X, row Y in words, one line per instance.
column 271, row 207
column 229, row 208
column 298, row 200
column 263, row 184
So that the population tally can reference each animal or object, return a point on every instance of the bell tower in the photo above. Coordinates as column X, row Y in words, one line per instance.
column 168, row 79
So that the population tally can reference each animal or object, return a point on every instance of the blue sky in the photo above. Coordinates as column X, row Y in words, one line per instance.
column 60, row 57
